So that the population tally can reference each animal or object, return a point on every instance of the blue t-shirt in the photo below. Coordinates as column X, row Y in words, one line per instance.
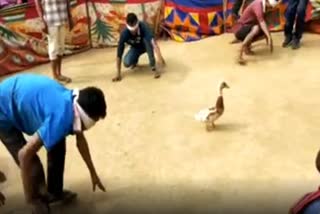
column 35, row 103
column 136, row 40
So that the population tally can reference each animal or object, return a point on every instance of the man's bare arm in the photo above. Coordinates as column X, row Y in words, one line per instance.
column 85, row 154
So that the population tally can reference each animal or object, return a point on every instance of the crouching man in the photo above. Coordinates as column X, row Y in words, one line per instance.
column 138, row 35
column 252, row 27
column 47, row 111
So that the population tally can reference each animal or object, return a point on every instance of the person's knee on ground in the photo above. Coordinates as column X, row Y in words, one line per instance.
column 131, row 58
column 127, row 63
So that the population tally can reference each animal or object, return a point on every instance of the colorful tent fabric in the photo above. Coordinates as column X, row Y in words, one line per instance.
column 190, row 20
column 187, row 20
column 23, row 44
column 108, row 18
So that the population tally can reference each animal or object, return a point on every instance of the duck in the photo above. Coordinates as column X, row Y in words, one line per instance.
column 212, row 114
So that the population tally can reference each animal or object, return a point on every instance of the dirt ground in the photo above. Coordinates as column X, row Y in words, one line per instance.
column 153, row 157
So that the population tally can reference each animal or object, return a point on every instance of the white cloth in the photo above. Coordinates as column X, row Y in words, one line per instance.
column 134, row 27
column 56, row 41
column 80, row 116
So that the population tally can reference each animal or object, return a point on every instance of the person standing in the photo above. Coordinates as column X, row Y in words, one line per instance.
column 55, row 15
column 295, row 15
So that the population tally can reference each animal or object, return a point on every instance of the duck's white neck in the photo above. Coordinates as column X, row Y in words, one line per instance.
column 220, row 91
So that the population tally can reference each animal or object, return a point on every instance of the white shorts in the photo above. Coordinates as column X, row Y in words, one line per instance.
column 56, row 41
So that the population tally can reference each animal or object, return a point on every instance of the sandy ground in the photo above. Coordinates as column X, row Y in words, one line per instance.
column 154, row 157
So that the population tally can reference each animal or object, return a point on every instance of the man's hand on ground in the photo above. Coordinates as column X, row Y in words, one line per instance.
column 117, row 78
column 271, row 45
column 96, row 182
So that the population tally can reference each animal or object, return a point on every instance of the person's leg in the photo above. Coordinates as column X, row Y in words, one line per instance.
column 13, row 140
column 259, row 36
column 53, row 50
column 255, row 30
column 290, row 20
column 131, row 58
column 301, row 15
column 62, row 36
column 236, row 7
column 56, row 162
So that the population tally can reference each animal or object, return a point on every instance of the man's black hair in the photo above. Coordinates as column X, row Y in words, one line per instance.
column 92, row 100
column 132, row 19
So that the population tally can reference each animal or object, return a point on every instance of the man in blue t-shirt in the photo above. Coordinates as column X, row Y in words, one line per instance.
column 48, row 112
column 138, row 35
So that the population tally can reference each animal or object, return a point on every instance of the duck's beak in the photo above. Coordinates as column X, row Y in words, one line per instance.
column 227, row 86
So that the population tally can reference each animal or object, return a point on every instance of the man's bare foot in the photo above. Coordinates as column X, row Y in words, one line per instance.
column 241, row 61
column 65, row 79
column 157, row 75
column 66, row 197
column 249, row 52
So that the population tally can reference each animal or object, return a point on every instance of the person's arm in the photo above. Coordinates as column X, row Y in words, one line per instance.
column 26, row 155
column 265, row 29
column 236, row 7
column 157, row 51
column 148, row 35
column 85, row 154
column 39, row 9
column 120, row 50
column 263, row 25
column 69, row 15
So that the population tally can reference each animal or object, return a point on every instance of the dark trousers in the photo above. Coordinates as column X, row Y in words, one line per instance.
column 296, row 13
column 13, row 140
column 133, row 55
